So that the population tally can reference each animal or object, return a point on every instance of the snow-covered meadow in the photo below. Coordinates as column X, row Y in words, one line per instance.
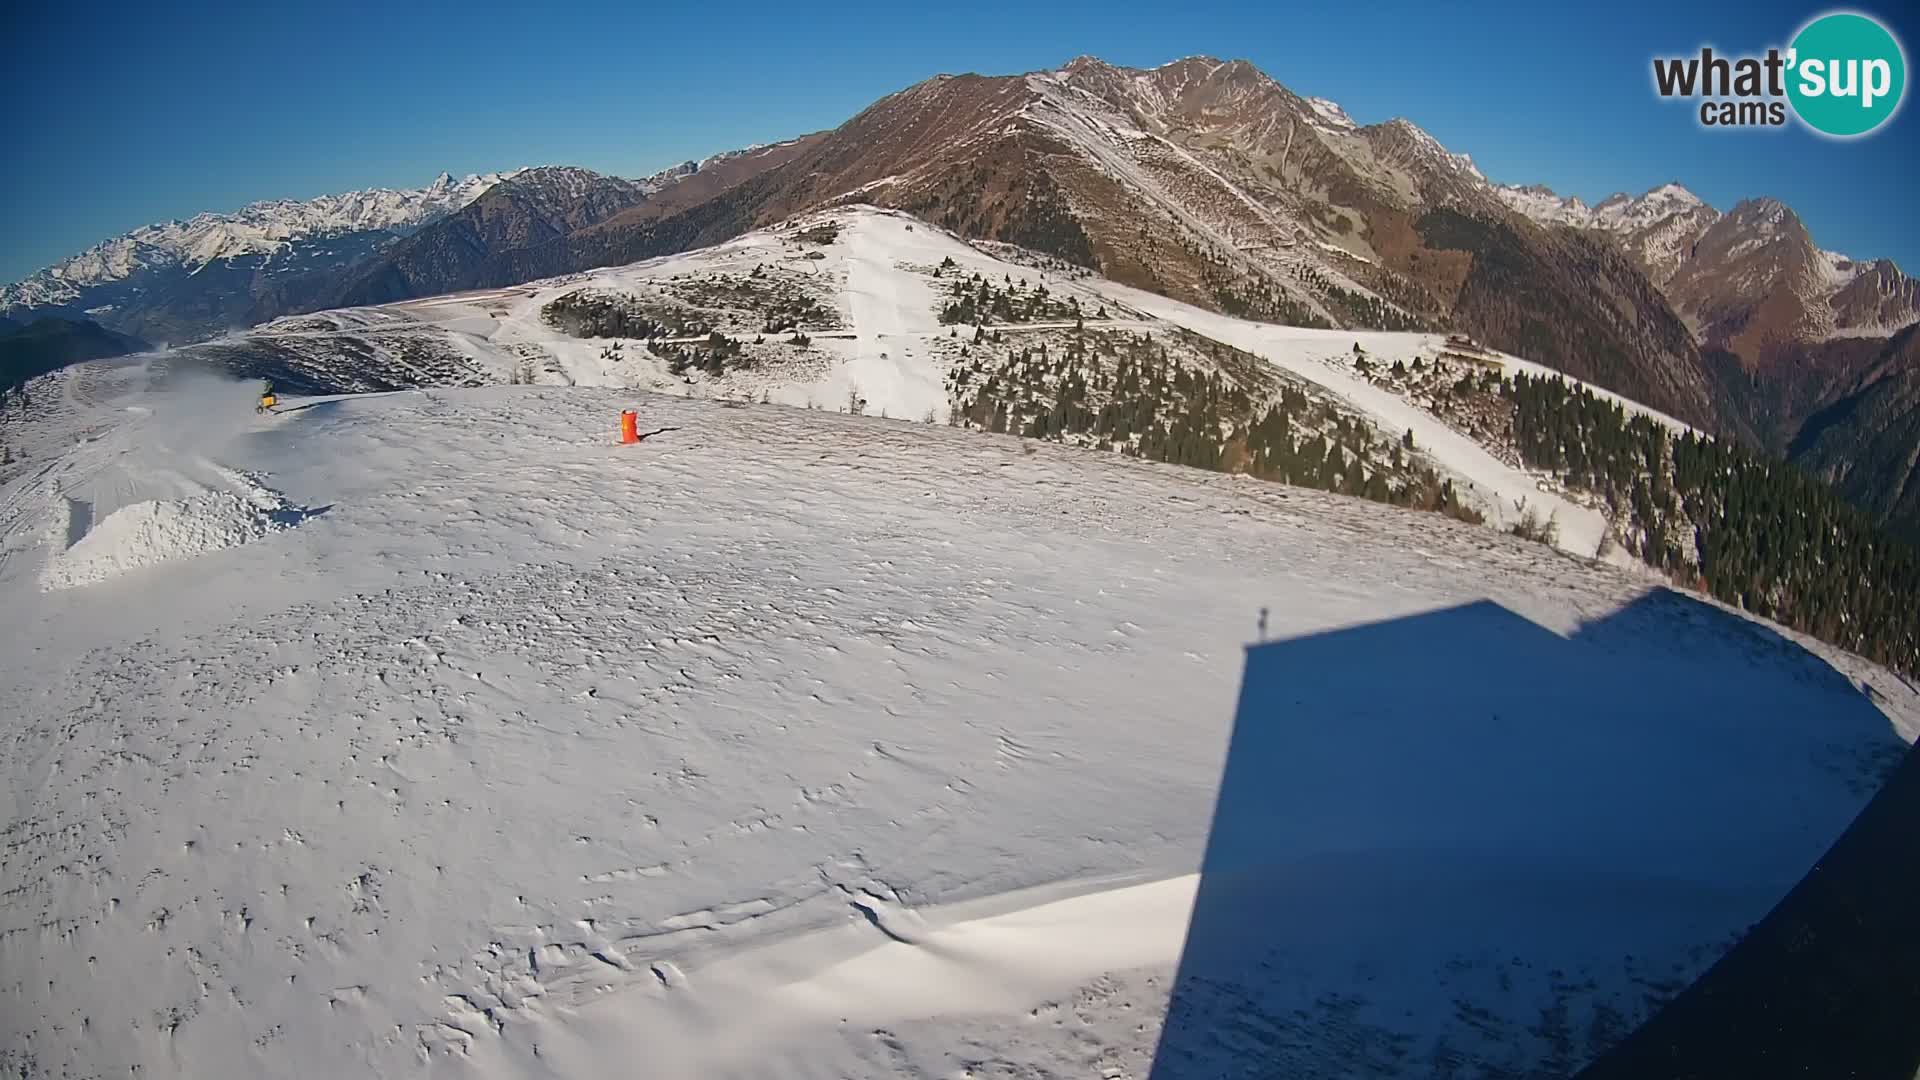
column 438, row 733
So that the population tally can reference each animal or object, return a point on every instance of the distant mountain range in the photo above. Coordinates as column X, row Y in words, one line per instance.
column 1718, row 268
column 1200, row 179
column 184, row 281
column 1816, row 350
column 539, row 223
column 1797, row 324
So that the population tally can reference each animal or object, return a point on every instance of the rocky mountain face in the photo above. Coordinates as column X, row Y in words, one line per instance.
column 533, row 207
column 1212, row 182
column 1658, row 229
column 1746, row 279
column 1866, row 442
column 1811, row 351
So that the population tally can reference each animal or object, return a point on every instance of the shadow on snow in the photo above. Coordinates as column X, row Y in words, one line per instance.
column 1459, row 843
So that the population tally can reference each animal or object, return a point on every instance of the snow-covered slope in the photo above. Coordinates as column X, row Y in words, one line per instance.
column 1323, row 357
column 882, row 344
column 796, row 744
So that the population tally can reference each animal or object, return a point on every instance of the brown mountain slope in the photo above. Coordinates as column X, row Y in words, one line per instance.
column 1572, row 302
column 1201, row 179
column 1745, row 279
column 1787, row 328
column 1867, row 442
column 1752, row 281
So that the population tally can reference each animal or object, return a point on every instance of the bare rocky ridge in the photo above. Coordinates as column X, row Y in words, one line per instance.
column 517, row 232
column 535, row 207
column 1878, row 299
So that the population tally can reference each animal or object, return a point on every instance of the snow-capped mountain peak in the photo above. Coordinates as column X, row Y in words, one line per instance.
column 1711, row 262
column 1674, row 192
column 1658, row 227
column 563, row 182
column 259, row 228
column 1539, row 203
column 1332, row 113
column 1618, row 212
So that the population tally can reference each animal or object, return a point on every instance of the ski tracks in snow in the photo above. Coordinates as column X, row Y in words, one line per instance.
column 893, row 315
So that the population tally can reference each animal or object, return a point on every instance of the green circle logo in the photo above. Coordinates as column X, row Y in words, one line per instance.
column 1847, row 74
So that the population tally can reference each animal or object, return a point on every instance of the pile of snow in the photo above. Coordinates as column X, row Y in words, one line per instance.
column 118, row 467
column 157, row 531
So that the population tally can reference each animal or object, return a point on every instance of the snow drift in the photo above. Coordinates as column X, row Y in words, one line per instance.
column 152, row 532
column 798, row 744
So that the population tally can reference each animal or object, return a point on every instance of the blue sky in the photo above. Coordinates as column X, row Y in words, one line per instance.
column 123, row 114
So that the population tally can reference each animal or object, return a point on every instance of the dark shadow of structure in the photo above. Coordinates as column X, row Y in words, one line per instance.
column 1827, row 985
column 1460, row 844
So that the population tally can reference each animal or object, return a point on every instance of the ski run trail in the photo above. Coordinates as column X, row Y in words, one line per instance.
column 435, row 734
column 877, row 270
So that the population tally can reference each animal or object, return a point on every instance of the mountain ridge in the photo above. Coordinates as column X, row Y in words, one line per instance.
column 260, row 227
column 1209, row 182
column 1663, row 228
column 187, row 280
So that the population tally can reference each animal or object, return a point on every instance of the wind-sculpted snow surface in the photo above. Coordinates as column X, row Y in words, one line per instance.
column 784, row 743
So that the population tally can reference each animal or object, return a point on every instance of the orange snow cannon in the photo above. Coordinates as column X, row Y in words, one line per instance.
column 629, row 426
